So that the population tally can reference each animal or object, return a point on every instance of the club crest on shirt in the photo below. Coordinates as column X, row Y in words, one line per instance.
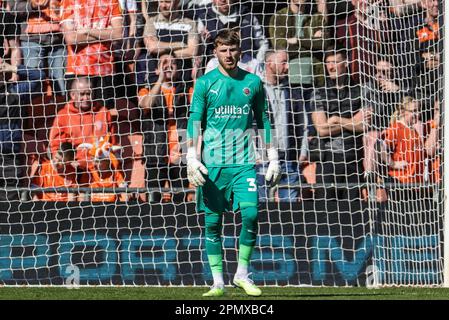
column 246, row 91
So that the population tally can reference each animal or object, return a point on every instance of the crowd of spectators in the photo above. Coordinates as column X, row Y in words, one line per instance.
column 353, row 88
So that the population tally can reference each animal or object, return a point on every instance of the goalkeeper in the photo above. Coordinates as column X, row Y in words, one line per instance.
column 224, row 103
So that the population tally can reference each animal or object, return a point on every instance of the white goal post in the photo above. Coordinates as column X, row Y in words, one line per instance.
column 446, row 155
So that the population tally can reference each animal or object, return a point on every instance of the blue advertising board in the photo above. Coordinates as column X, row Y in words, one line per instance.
column 298, row 244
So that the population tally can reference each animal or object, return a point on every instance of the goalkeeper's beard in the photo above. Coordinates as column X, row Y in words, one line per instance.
column 228, row 64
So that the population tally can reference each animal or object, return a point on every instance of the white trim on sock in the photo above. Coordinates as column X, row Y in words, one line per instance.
column 242, row 271
column 218, row 279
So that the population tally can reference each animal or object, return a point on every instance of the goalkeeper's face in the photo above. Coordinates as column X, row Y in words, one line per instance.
column 228, row 56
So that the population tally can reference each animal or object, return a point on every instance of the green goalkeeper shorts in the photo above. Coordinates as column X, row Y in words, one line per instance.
column 225, row 186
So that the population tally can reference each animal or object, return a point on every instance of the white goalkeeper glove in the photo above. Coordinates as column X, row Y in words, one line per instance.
column 273, row 174
column 195, row 169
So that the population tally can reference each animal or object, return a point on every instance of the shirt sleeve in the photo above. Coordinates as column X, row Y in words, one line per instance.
column 122, row 4
column 193, row 34
column 390, row 136
column 58, row 132
column 196, row 111
column 66, row 10
column 261, row 43
column 316, row 101
column 116, row 10
column 112, row 129
column 37, row 179
column 150, row 30
column 261, row 113
column 131, row 5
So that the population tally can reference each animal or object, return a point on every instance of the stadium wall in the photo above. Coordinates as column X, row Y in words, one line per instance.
column 305, row 243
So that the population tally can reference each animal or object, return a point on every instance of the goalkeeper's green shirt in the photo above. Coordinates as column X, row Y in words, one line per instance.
column 223, row 109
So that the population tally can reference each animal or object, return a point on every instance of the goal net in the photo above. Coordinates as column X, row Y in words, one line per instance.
column 95, row 98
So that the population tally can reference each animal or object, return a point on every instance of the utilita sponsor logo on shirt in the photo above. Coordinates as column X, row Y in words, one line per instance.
column 231, row 111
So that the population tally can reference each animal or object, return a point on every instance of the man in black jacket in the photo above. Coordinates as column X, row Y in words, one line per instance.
column 339, row 121
column 382, row 96
column 13, row 97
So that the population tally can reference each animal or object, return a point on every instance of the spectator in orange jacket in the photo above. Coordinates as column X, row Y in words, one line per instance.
column 81, row 121
column 58, row 172
column 410, row 142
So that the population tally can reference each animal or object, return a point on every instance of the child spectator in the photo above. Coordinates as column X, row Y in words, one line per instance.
column 58, row 172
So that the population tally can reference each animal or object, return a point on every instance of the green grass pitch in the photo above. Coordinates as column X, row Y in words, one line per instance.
column 194, row 293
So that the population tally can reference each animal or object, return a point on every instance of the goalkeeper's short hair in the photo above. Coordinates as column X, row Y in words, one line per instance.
column 227, row 37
